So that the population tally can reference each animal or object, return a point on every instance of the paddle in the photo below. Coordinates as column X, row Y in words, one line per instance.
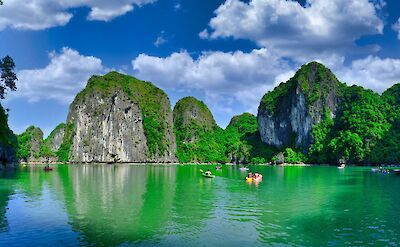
column 201, row 171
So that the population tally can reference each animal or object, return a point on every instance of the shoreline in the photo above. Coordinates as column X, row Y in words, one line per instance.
column 172, row 163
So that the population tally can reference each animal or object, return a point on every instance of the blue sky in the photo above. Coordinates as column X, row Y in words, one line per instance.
column 226, row 53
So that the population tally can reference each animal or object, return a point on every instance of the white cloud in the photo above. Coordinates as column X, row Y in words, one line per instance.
column 42, row 14
column 204, row 34
column 235, row 82
column 371, row 72
column 321, row 28
column 65, row 75
column 177, row 6
column 160, row 39
column 396, row 27
column 227, row 79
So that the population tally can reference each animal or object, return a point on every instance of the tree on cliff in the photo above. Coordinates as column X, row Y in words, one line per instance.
column 8, row 77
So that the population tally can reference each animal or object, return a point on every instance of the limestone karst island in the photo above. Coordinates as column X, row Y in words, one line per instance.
column 200, row 123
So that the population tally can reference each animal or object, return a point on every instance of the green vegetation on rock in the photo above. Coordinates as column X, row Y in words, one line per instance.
column 45, row 149
column 198, row 137
column 29, row 143
column 146, row 95
column 360, row 124
column 315, row 81
column 387, row 150
column 243, row 141
column 291, row 156
column 64, row 150
column 355, row 125
column 53, row 132
column 7, row 137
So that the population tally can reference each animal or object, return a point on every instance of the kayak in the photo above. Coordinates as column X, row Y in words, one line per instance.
column 243, row 169
column 208, row 176
column 253, row 179
column 47, row 169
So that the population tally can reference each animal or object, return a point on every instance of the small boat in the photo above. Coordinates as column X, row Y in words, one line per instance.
column 396, row 171
column 218, row 167
column 375, row 169
column 243, row 168
column 342, row 166
column 259, row 179
column 208, row 176
column 46, row 169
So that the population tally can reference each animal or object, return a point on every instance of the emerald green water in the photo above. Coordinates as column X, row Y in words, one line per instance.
column 175, row 206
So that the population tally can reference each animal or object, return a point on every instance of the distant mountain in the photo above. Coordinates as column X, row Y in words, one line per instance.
column 311, row 118
column 29, row 144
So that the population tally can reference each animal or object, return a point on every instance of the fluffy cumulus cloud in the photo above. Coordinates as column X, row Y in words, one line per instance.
column 65, row 75
column 396, row 27
column 42, row 14
column 235, row 82
column 371, row 72
column 225, row 78
column 320, row 28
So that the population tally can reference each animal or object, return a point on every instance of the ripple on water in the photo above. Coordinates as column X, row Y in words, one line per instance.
column 177, row 207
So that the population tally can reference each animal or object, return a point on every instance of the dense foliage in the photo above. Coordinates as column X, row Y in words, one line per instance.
column 387, row 149
column 8, row 76
column 364, row 129
column 29, row 143
column 64, row 150
column 7, row 81
column 291, row 156
column 45, row 149
column 7, row 137
column 360, row 124
column 198, row 137
column 243, row 142
column 315, row 80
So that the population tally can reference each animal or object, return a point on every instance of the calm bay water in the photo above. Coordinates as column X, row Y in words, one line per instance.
column 125, row 205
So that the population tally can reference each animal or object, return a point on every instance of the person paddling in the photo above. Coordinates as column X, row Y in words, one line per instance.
column 208, row 172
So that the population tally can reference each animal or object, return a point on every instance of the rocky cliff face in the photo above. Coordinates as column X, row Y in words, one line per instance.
column 29, row 144
column 118, row 118
column 54, row 140
column 287, row 114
